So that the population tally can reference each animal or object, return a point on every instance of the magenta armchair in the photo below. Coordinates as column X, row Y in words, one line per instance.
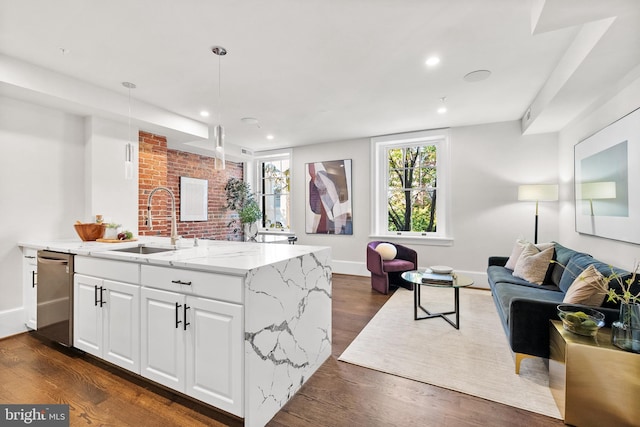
column 386, row 273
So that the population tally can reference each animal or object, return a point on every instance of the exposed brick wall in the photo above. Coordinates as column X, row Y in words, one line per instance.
column 162, row 167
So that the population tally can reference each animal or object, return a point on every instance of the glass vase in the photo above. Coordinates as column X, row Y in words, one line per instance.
column 625, row 333
column 250, row 232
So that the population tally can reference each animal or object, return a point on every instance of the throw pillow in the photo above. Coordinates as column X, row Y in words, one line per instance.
column 533, row 264
column 576, row 265
column 518, row 247
column 387, row 251
column 589, row 288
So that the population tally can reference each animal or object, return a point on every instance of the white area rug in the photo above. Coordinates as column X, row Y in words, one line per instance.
column 476, row 359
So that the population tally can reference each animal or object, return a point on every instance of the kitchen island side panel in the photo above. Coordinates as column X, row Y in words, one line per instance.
column 287, row 330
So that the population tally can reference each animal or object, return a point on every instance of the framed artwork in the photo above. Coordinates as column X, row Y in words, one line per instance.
column 193, row 199
column 328, row 198
column 607, row 181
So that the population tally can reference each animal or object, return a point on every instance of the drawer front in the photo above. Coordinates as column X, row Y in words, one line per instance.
column 199, row 283
column 107, row 269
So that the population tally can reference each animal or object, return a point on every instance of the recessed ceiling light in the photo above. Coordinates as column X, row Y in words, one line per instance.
column 443, row 108
column 476, row 76
column 433, row 60
column 204, row 113
column 270, row 136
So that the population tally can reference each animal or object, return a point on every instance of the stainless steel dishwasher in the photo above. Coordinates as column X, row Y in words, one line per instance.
column 55, row 296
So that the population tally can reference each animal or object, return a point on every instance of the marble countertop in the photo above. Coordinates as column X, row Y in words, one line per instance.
column 236, row 258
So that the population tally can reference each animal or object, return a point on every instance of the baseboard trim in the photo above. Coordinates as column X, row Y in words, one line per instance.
column 360, row 269
column 349, row 267
column 12, row 322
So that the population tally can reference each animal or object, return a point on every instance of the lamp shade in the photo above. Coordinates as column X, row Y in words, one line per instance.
column 598, row 190
column 538, row 192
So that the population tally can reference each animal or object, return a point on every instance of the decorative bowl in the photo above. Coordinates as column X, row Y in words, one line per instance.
column 90, row 231
column 441, row 269
column 580, row 320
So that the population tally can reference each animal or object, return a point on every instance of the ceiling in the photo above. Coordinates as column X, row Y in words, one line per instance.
column 313, row 71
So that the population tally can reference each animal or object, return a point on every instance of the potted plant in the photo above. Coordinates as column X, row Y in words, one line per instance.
column 242, row 200
column 112, row 231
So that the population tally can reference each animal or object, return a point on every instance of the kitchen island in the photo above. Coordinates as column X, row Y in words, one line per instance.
column 249, row 322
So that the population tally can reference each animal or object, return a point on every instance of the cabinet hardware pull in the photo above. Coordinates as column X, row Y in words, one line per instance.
column 180, row 282
column 30, row 256
column 186, row 307
column 102, row 301
column 178, row 321
column 95, row 295
column 34, row 281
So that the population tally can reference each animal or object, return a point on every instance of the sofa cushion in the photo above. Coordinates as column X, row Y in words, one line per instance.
column 533, row 264
column 505, row 292
column 397, row 265
column 579, row 262
column 576, row 265
column 562, row 256
column 497, row 274
column 589, row 288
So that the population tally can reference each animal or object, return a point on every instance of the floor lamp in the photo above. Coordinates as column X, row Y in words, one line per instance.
column 537, row 193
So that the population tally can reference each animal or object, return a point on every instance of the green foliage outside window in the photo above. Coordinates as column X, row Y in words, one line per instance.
column 275, row 184
column 412, row 189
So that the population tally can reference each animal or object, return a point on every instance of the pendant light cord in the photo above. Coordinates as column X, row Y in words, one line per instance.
column 129, row 149
column 219, row 89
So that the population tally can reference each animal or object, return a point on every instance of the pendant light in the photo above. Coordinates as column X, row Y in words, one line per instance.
column 218, row 130
column 128, row 149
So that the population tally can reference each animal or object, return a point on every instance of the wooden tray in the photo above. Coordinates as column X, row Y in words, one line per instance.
column 115, row 240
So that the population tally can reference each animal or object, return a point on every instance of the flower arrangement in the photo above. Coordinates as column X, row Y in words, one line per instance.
column 625, row 296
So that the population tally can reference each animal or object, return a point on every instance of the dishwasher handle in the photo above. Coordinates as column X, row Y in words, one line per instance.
column 52, row 261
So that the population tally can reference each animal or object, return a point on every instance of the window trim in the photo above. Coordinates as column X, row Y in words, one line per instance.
column 260, row 157
column 380, row 179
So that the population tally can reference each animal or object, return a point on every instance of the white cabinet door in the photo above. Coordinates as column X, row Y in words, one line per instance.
column 87, row 314
column 215, row 353
column 163, row 337
column 121, row 325
column 30, row 291
column 107, row 320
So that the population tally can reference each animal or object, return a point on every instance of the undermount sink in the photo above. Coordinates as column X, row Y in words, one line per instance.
column 144, row 250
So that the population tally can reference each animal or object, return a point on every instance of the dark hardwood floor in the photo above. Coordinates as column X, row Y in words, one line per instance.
column 339, row 394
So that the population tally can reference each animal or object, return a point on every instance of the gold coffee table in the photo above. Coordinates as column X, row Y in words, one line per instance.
column 459, row 281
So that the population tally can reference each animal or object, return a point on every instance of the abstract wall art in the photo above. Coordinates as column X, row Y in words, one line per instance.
column 607, row 181
column 329, row 205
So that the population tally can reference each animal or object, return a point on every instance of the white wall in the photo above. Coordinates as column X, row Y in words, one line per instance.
column 41, row 185
column 488, row 163
column 108, row 192
column 56, row 168
column 616, row 253
column 345, row 248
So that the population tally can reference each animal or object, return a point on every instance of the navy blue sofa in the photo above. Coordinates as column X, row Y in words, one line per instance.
column 526, row 308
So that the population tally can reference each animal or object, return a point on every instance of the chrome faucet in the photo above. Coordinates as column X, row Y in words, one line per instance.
column 174, row 227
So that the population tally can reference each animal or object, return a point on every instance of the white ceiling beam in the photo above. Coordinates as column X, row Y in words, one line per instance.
column 29, row 82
